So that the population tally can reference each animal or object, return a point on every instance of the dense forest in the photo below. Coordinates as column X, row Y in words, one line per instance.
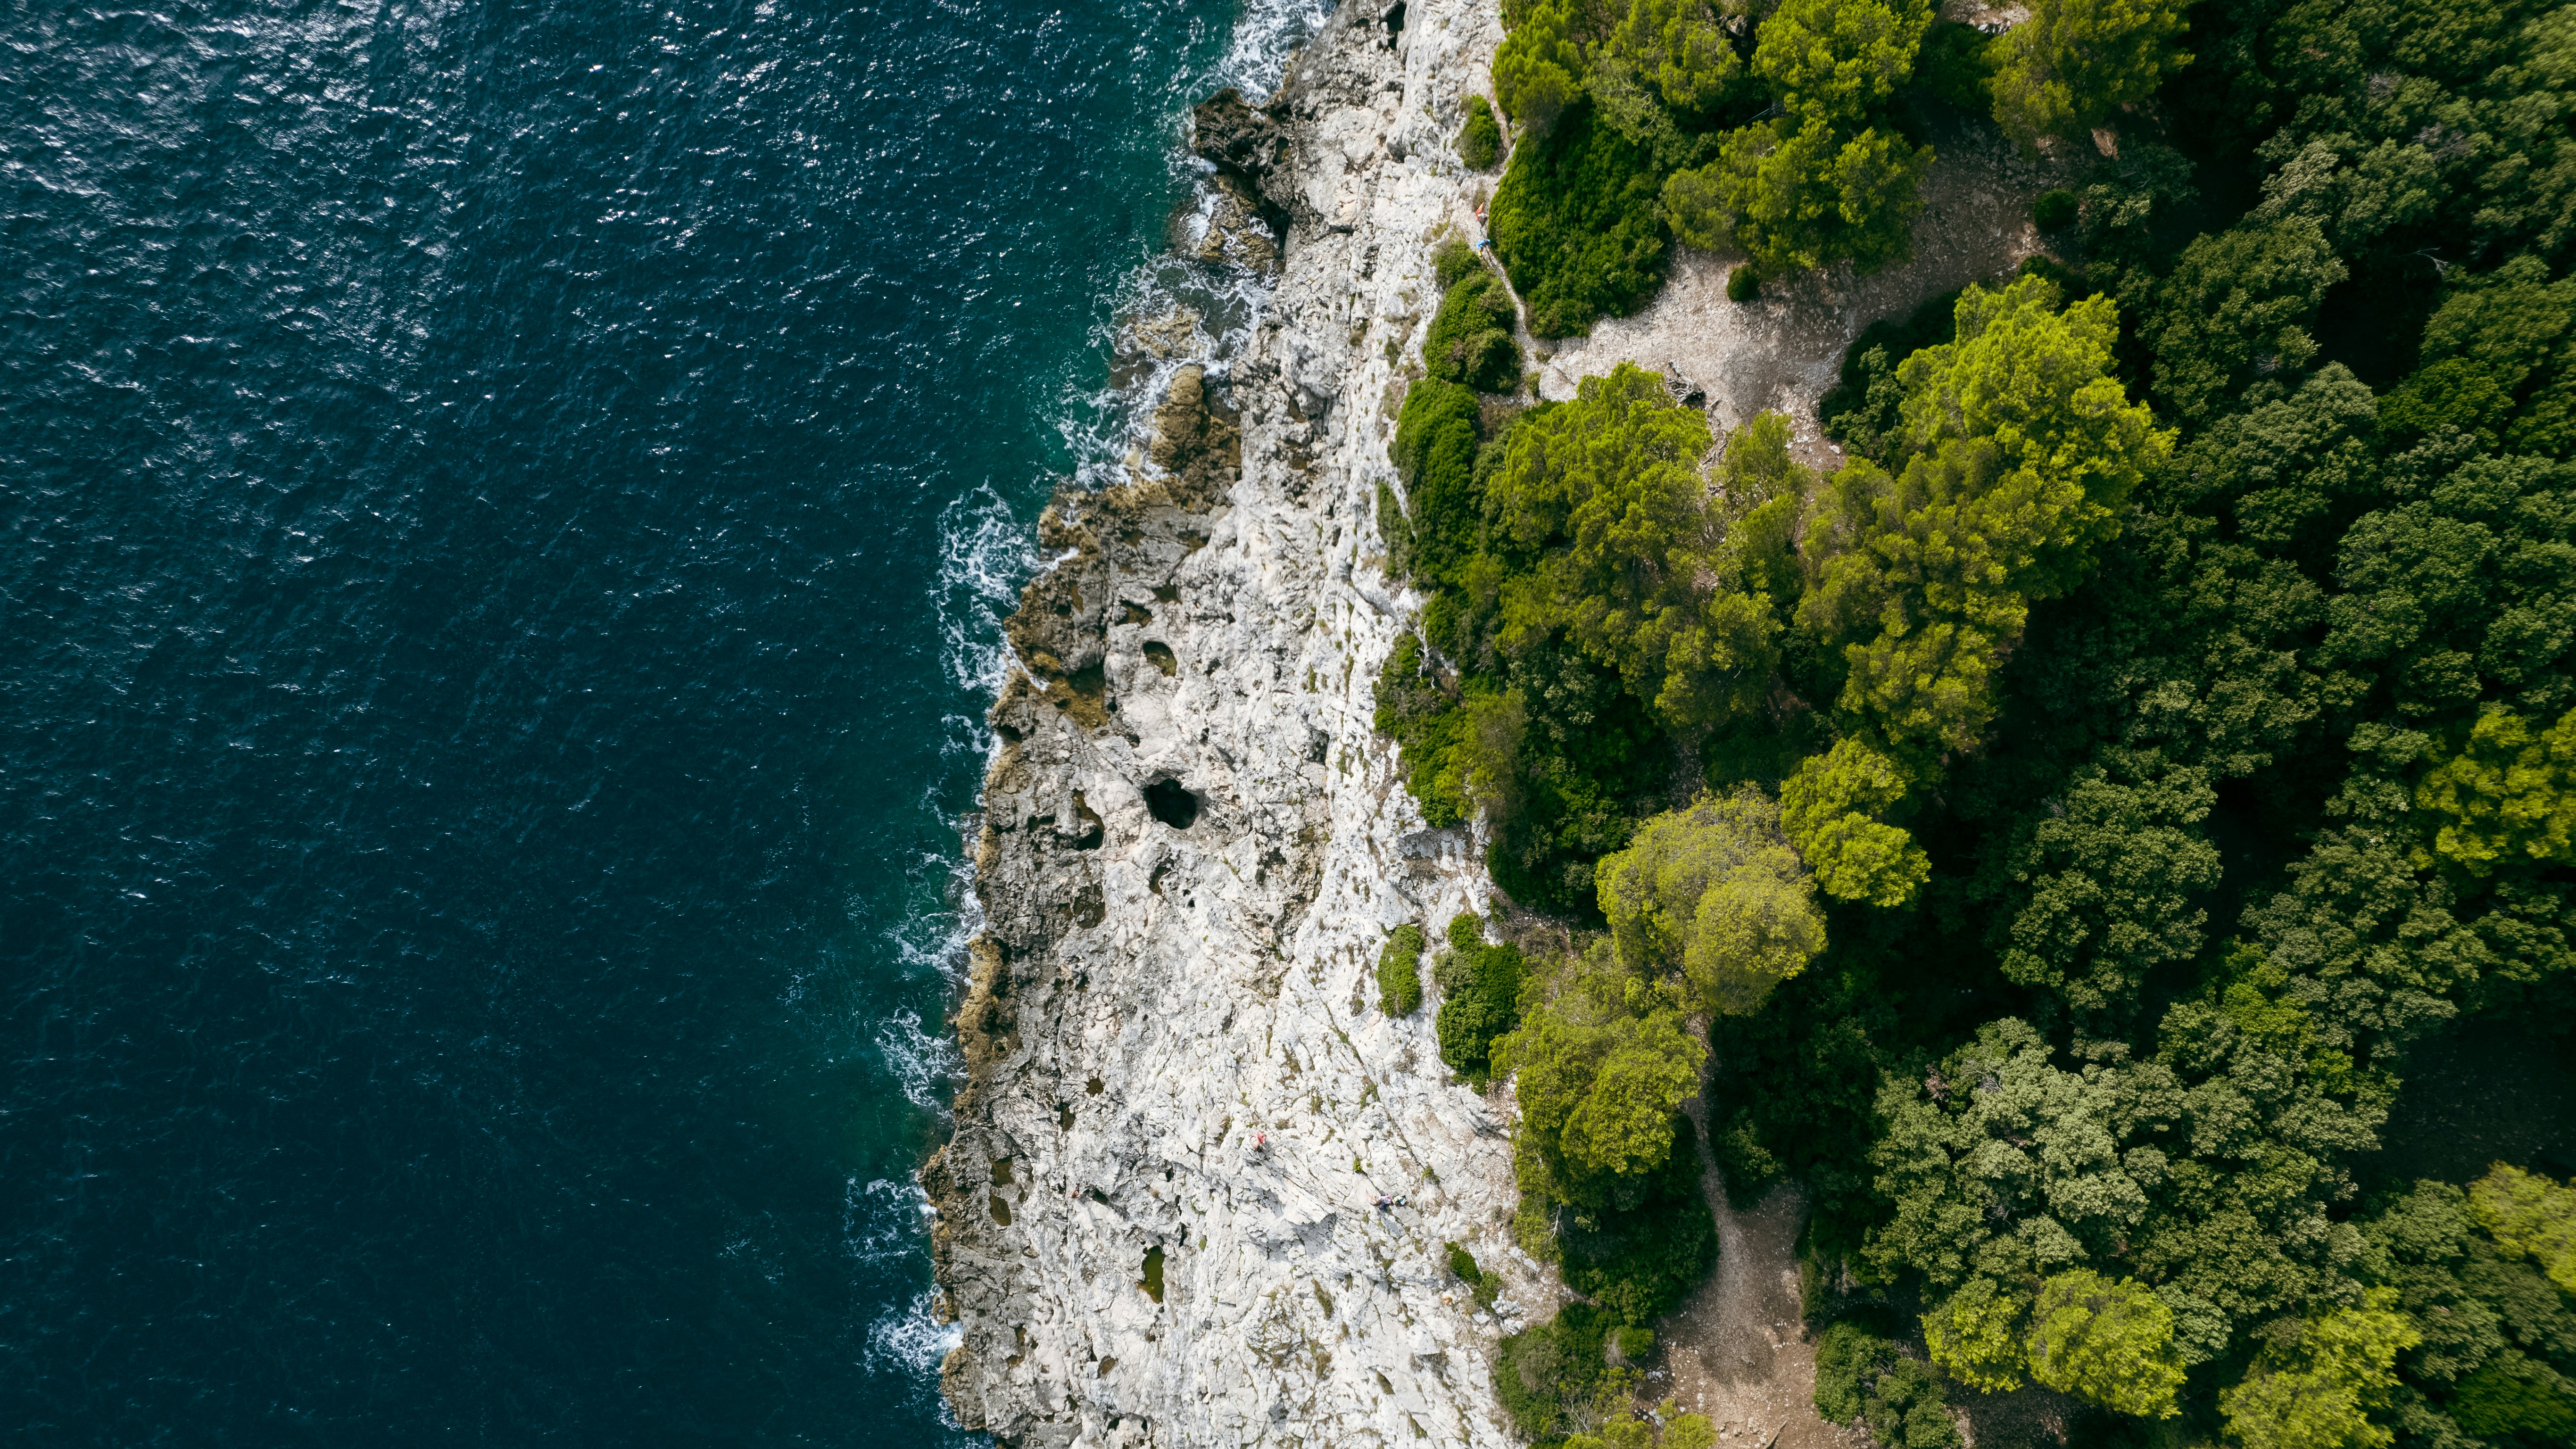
column 2057, row 829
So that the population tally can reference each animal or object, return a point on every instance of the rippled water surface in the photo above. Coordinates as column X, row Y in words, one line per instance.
column 506, row 512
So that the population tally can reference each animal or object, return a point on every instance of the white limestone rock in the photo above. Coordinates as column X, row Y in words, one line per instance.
column 1172, row 1037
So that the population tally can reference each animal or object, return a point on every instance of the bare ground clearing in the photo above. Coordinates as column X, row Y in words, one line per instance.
column 1782, row 350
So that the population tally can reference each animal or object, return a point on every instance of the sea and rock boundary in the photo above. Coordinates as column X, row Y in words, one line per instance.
column 1157, row 1220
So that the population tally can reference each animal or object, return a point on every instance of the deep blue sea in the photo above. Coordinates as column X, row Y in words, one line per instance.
column 507, row 508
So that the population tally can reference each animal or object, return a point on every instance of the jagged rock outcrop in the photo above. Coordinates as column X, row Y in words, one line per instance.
column 1157, row 1219
column 1239, row 140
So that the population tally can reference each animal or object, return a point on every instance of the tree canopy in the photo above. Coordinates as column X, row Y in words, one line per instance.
column 2074, row 62
column 2166, row 700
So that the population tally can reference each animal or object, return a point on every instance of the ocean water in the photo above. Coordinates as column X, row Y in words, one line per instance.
column 508, row 508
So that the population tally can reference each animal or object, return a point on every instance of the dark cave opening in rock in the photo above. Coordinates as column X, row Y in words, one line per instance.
column 1171, row 802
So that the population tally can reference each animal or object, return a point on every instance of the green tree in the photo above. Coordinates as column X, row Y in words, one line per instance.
column 1998, row 1125
column 2236, row 310
column 1977, row 1336
column 1631, row 561
column 2074, row 62
column 2109, row 1343
column 1831, row 809
column 2509, row 793
column 1600, row 1069
column 1538, row 70
column 1800, row 196
column 1678, row 48
column 2498, row 1336
column 1716, row 892
column 1835, row 61
column 2499, row 362
column 2319, row 1392
column 2019, row 448
column 1657, row 71
column 2529, row 1216
column 2109, row 880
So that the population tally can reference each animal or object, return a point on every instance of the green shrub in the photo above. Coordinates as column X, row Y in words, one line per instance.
column 2513, row 1395
column 1577, row 225
column 1743, row 283
column 1463, row 1264
column 1399, row 973
column 1397, row 530
column 1861, row 411
column 1414, row 711
column 1480, row 989
column 1454, row 260
column 1635, row 1246
column 1799, row 195
column 1907, row 1408
column 1435, row 454
column 2055, row 209
column 1480, row 141
column 1635, row 1343
column 1553, row 1367
column 1844, row 1356
column 1860, row 1377
column 1470, row 341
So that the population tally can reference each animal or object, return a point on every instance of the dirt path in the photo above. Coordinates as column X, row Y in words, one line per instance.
column 1737, row 1350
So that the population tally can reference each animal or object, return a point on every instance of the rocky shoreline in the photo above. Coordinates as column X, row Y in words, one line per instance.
column 1157, row 1219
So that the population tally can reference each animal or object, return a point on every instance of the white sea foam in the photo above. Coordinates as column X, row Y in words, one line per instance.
column 1106, row 429
column 882, row 1220
column 985, row 553
column 911, row 1338
column 1263, row 38
column 924, row 1066
column 935, row 940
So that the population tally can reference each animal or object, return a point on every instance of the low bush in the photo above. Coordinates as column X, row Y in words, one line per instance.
column 1436, row 435
column 1555, row 1371
column 1577, row 226
column 2055, row 209
column 1860, row 1377
column 1399, row 972
column 1470, row 340
column 1638, row 1262
column 1480, row 989
column 1480, row 141
column 1485, row 1286
column 1743, row 283
column 1861, row 411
